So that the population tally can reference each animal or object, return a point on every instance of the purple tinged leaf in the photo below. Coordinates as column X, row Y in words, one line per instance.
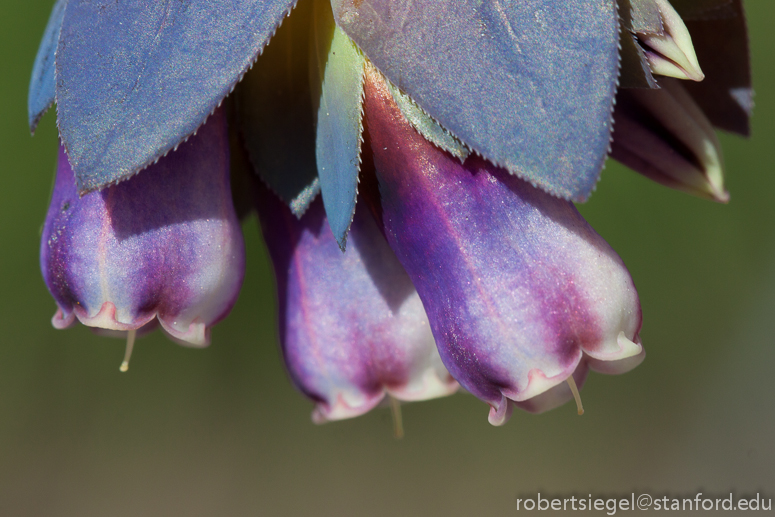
column 636, row 72
column 42, row 82
column 163, row 245
column 519, row 289
column 638, row 16
column 529, row 85
column 641, row 16
column 352, row 328
column 136, row 78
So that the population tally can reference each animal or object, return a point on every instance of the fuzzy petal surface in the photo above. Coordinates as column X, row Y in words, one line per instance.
column 517, row 286
column 352, row 327
column 165, row 244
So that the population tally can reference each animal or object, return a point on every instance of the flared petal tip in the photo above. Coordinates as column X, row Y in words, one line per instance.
column 545, row 393
column 617, row 367
column 557, row 395
column 347, row 405
column 541, row 394
column 630, row 355
column 61, row 321
column 195, row 334
column 501, row 413
column 432, row 384
column 620, row 348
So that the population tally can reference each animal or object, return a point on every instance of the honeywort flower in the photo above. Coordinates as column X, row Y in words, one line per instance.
column 352, row 326
column 513, row 308
column 469, row 128
column 165, row 246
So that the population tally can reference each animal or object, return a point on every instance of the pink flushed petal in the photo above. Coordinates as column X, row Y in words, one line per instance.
column 561, row 393
column 557, row 395
column 517, row 286
column 344, row 406
column 164, row 246
column 352, row 327
column 197, row 334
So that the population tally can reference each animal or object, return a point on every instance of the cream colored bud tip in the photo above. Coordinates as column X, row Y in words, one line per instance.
column 130, row 344
column 575, row 390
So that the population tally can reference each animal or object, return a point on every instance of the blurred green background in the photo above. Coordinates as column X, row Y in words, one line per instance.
column 221, row 431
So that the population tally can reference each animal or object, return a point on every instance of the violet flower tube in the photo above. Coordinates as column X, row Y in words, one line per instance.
column 520, row 291
column 165, row 244
column 352, row 327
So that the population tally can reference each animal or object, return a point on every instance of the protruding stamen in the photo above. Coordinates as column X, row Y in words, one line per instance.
column 398, row 423
column 574, row 389
column 672, row 52
column 130, row 344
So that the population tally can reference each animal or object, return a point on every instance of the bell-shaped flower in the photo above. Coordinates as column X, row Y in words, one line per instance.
column 488, row 127
column 519, row 289
column 352, row 327
column 163, row 245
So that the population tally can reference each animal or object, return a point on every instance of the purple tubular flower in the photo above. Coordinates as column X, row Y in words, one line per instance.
column 164, row 244
column 520, row 291
column 352, row 327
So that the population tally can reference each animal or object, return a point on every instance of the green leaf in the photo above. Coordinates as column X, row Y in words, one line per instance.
column 426, row 126
column 339, row 120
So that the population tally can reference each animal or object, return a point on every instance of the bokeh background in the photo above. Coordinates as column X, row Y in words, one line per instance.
column 221, row 431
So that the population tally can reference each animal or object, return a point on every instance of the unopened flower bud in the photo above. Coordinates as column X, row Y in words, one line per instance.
column 665, row 136
column 670, row 52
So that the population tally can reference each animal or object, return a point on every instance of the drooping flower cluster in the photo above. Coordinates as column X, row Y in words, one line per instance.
column 414, row 179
